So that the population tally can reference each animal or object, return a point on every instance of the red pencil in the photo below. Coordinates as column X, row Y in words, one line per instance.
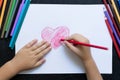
column 113, row 38
column 85, row 44
column 108, row 9
column 1, row 3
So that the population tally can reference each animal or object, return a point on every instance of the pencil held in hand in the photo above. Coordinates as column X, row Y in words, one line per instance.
column 85, row 44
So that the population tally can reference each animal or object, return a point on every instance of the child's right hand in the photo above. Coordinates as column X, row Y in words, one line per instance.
column 82, row 51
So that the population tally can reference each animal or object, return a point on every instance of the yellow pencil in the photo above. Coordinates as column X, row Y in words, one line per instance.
column 3, row 10
column 116, row 11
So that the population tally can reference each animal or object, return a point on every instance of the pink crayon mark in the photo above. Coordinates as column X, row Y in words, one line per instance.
column 54, row 35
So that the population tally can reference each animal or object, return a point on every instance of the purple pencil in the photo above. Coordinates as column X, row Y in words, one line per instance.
column 18, row 14
column 112, row 26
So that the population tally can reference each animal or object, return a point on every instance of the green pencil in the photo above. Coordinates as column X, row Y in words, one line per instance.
column 8, row 15
column 10, row 19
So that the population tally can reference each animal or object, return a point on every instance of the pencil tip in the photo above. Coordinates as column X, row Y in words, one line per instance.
column 62, row 39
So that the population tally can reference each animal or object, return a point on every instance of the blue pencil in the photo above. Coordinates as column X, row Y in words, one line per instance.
column 17, row 17
column 19, row 24
column 119, row 3
column 112, row 26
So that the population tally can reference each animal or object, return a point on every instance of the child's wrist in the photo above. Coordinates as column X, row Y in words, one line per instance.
column 88, row 61
column 11, row 70
column 13, row 66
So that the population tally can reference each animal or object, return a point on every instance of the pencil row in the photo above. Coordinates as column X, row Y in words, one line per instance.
column 112, row 20
column 12, row 14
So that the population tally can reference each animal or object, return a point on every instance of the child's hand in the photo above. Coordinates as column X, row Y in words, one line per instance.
column 31, row 55
column 82, row 51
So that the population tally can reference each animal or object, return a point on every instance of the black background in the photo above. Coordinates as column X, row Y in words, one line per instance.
column 6, row 53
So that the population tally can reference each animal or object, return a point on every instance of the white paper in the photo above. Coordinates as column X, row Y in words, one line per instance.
column 87, row 20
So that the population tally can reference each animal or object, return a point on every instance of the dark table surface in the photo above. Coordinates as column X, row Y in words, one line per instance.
column 6, row 53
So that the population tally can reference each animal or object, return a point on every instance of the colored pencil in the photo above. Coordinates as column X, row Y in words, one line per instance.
column 12, row 16
column 105, row 3
column 1, row 3
column 3, row 10
column 112, row 26
column 115, row 16
column 116, row 11
column 7, row 18
column 119, row 3
column 112, row 37
column 85, row 44
column 117, row 6
column 17, row 18
column 19, row 25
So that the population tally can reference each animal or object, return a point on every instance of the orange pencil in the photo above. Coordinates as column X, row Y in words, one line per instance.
column 3, row 10
column 1, row 3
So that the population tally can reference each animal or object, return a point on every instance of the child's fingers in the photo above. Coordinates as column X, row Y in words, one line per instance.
column 42, row 48
column 78, row 37
column 38, row 45
column 30, row 44
column 44, row 52
column 70, row 46
column 73, row 37
column 40, row 62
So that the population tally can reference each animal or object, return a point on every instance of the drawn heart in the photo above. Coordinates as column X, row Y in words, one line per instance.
column 53, row 36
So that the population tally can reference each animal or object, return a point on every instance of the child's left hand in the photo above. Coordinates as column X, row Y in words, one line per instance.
column 31, row 55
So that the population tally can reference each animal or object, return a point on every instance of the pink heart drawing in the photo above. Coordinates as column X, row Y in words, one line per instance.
column 53, row 36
